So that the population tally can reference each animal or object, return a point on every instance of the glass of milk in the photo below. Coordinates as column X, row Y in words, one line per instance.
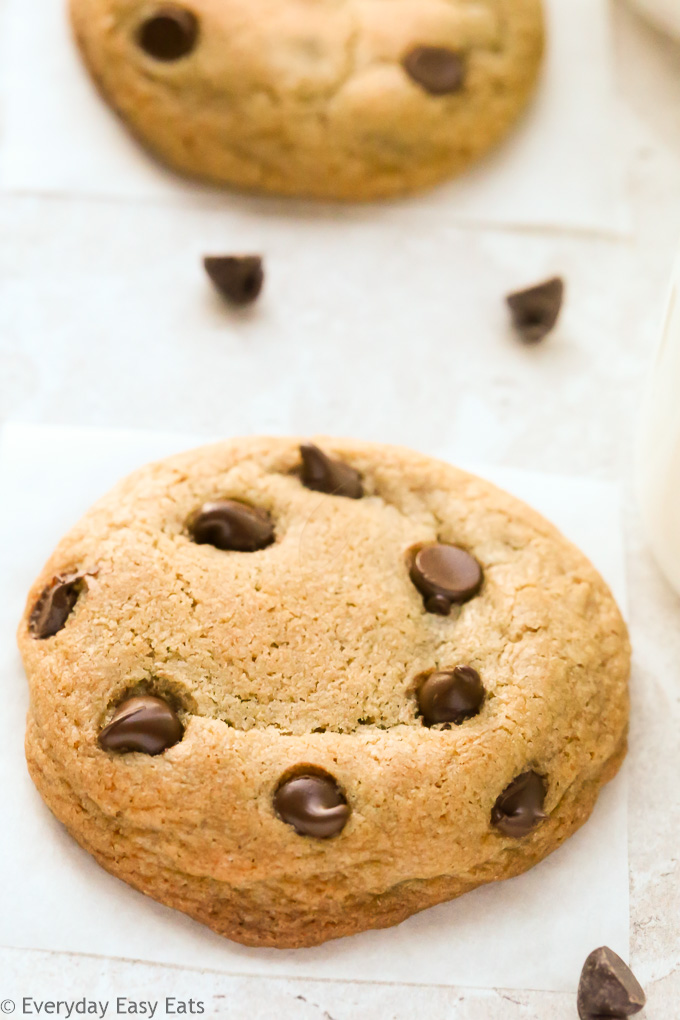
column 658, row 460
column 664, row 13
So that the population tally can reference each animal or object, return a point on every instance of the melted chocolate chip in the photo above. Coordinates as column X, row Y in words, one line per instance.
column 232, row 526
column 238, row 278
column 451, row 696
column 608, row 988
column 313, row 804
column 535, row 311
column 169, row 34
column 322, row 474
column 438, row 70
column 144, row 724
column 439, row 605
column 55, row 605
column 519, row 808
column 445, row 574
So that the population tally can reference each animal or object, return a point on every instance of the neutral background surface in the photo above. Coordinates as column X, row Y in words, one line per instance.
column 105, row 319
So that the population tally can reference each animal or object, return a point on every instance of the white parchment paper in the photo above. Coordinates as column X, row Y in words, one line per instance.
column 530, row 932
column 562, row 167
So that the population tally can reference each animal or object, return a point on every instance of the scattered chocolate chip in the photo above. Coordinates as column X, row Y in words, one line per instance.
column 519, row 808
column 55, row 605
column 445, row 574
column 535, row 311
column 440, row 71
column 313, row 804
column 231, row 525
column 608, row 988
column 322, row 474
column 169, row 34
column 238, row 278
column 144, row 724
column 451, row 696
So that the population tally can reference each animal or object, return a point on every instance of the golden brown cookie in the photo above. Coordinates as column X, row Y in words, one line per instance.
column 299, row 692
column 341, row 99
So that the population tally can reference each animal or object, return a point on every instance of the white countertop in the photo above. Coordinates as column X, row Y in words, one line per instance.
column 181, row 362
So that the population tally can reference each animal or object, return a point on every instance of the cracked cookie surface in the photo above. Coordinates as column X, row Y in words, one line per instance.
column 303, row 779
column 339, row 99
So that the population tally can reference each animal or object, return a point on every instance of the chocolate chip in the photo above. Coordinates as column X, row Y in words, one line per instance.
column 322, row 474
column 451, row 696
column 231, row 525
column 535, row 311
column 55, row 605
column 313, row 804
column 437, row 69
column 144, row 724
column 170, row 34
column 238, row 278
column 438, row 605
column 445, row 574
column 608, row 988
column 519, row 808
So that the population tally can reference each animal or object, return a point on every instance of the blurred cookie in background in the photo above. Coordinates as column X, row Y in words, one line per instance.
column 353, row 101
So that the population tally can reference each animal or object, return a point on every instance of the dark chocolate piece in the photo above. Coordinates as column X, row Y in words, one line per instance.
column 519, row 808
column 438, row 605
column 445, row 574
column 451, row 696
column 608, row 988
column 322, row 474
column 535, row 311
column 55, row 605
column 437, row 69
column 313, row 804
column 169, row 34
column 231, row 525
column 145, row 724
column 238, row 278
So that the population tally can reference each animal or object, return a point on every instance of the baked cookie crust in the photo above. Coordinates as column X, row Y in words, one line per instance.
column 307, row 655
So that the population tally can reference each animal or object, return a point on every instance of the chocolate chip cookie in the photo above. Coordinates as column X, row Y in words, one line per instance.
column 340, row 99
column 298, row 690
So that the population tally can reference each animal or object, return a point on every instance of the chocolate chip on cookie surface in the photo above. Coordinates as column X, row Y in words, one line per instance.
column 313, row 804
column 229, row 524
column 250, row 714
column 351, row 100
column 438, row 70
column 145, row 724
column 519, row 809
column 169, row 34
column 445, row 575
column 450, row 696
column 324, row 474
column 55, row 604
